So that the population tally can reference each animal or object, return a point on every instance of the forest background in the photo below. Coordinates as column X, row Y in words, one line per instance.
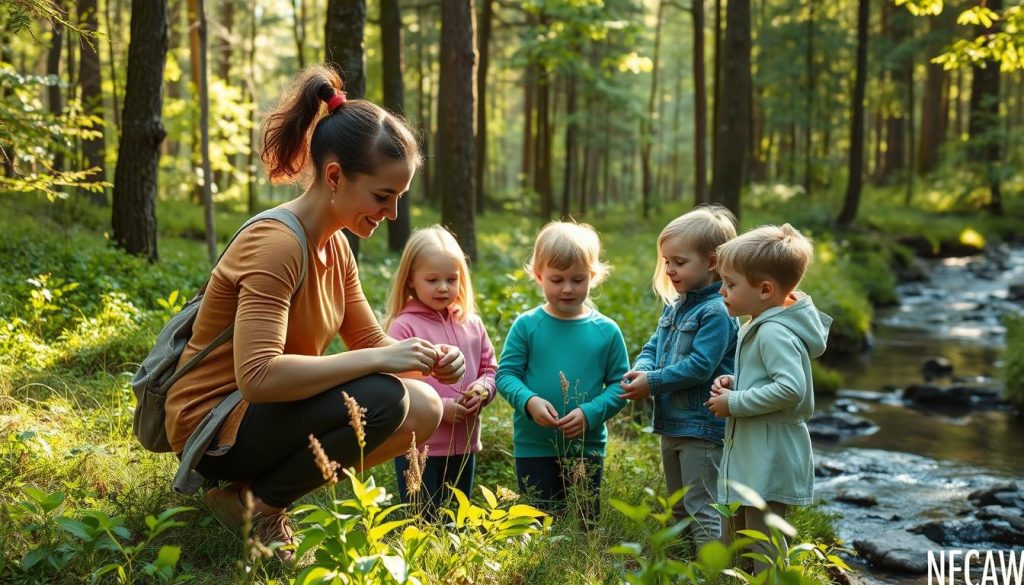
column 887, row 131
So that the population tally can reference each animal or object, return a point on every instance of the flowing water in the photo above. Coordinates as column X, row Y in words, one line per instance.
column 921, row 464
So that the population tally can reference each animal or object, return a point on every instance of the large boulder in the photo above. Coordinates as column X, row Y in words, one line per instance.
column 936, row 367
column 896, row 550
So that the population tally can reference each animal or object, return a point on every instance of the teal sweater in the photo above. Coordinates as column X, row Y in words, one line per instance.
column 591, row 353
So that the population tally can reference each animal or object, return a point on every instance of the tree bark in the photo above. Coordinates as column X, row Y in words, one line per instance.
column 856, row 168
column 647, row 122
column 56, row 101
column 204, row 130
column 717, row 89
column 932, row 110
column 571, row 148
column 93, row 149
column 392, row 69
column 700, row 107
column 424, row 104
column 812, row 88
column 224, row 46
column 542, row 150
column 253, row 101
column 455, row 152
column 484, row 47
column 299, row 30
column 984, row 124
column 135, row 177
column 734, row 121
column 343, row 39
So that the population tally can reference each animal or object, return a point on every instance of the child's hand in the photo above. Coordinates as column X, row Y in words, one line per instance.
column 721, row 383
column 574, row 424
column 542, row 412
column 473, row 399
column 635, row 386
column 453, row 411
column 719, row 401
column 450, row 365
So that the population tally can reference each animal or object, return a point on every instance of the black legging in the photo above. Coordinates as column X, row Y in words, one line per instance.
column 272, row 446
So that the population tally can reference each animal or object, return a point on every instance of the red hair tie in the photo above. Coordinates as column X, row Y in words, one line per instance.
column 337, row 100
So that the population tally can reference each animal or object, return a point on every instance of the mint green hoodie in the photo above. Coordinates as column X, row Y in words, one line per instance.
column 767, row 446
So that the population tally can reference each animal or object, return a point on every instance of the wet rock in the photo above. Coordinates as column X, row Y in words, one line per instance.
column 896, row 550
column 987, row 496
column 847, row 405
column 932, row 395
column 936, row 367
column 829, row 469
column 836, row 425
column 1012, row 516
column 1015, row 291
column 857, row 497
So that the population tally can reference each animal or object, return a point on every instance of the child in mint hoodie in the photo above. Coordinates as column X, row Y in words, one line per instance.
column 767, row 446
column 432, row 298
column 560, row 370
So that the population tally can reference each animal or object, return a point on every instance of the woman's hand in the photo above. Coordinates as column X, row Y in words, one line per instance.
column 409, row 355
column 450, row 365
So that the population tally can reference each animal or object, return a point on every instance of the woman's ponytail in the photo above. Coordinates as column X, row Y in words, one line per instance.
column 289, row 125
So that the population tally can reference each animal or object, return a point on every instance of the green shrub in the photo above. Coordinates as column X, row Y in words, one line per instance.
column 1013, row 364
column 827, row 381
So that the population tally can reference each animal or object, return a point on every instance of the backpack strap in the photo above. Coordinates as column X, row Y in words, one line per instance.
column 278, row 214
column 186, row 479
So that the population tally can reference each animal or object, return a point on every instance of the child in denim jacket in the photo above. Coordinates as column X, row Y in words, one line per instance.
column 694, row 344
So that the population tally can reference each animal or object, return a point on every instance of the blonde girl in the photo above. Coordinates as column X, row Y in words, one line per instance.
column 560, row 370
column 432, row 299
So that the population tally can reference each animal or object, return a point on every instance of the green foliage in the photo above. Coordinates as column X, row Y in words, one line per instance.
column 827, row 381
column 29, row 137
column 1013, row 360
column 806, row 562
column 95, row 542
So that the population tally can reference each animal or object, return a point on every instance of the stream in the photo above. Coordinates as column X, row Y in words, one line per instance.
column 921, row 464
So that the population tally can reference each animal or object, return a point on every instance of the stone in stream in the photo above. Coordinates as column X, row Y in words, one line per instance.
column 896, row 550
column 1015, row 292
column 987, row 496
column 936, row 367
column 836, row 425
column 958, row 396
column 857, row 497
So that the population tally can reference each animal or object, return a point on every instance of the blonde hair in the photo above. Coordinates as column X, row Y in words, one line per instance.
column 705, row 228
column 561, row 244
column 430, row 240
column 770, row 252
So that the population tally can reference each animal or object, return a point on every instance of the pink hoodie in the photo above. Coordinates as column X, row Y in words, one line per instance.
column 419, row 320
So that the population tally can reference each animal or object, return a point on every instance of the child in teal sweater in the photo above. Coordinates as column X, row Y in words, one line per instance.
column 560, row 370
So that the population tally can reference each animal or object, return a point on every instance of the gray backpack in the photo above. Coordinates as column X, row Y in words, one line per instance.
column 159, row 371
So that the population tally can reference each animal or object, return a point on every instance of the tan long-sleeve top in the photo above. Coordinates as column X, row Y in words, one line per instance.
column 252, row 286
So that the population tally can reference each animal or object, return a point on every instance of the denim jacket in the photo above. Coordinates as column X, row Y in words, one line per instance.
column 694, row 344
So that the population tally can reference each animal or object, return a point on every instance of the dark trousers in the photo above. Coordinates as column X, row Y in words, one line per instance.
column 438, row 473
column 272, row 448
column 550, row 480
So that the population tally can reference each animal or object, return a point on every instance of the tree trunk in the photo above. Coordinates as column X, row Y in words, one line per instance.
column 734, row 122
column 455, row 168
column 299, row 29
column 392, row 70
column 94, row 149
column 647, row 122
column 250, row 167
column 932, row 124
column 133, row 217
column 542, row 151
column 484, row 46
column 224, row 46
column 343, row 39
column 529, row 93
column 856, row 169
column 812, row 88
column 716, row 90
column 56, row 102
column 984, row 125
column 571, row 148
column 113, row 30
column 424, row 103
column 700, row 107
column 204, row 130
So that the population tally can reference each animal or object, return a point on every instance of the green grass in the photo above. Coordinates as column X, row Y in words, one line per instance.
column 66, row 360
